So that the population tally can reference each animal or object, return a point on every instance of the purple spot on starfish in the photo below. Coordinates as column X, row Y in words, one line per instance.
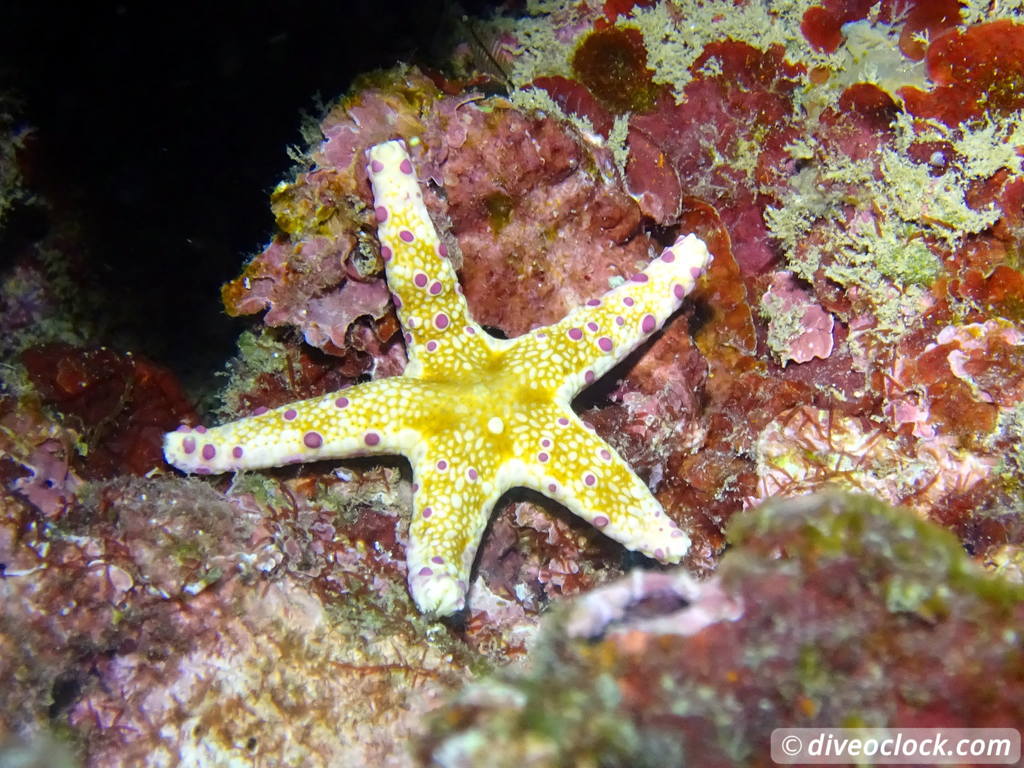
column 201, row 429
column 542, row 457
column 695, row 272
column 435, row 288
column 600, row 521
column 628, row 301
column 472, row 474
column 575, row 334
column 209, row 451
column 441, row 321
column 545, row 443
column 385, row 253
column 371, row 438
column 605, row 344
column 419, row 279
column 593, row 302
column 437, row 559
column 396, row 300
column 405, row 167
column 341, row 402
column 290, row 414
column 427, row 512
column 606, row 454
column 592, row 326
column 202, row 471
column 620, row 320
column 667, row 256
column 237, row 451
column 470, row 330
column 406, row 236
column 639, row 277
column 678, row 290
column 376, row 166
column 431, row 345
column 424, row 571
column 589, row 377
column 552, row 488
column 381, row 212
column 442, row 465
column 659, row 554
column 188, row 444
column 260, row 410
column 312, row 440
column 442, row 249
column 563, row 421
column 648, row 324
column 589, row 479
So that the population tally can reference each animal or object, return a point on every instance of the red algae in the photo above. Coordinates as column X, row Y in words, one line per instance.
column 612, row 63
column 576, row 99
column 977, row 72
column 927, row 20
column 749, row 106
column 121, row 403
column 822, row 24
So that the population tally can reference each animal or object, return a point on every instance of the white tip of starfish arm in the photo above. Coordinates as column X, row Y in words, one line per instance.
column 644, row 527
column 681, row 264
column 437, row 594
column 661, row 539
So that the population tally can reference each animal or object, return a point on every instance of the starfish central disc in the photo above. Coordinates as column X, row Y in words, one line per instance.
column 475, row 415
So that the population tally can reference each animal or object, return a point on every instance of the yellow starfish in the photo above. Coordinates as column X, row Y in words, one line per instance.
column 475, row 415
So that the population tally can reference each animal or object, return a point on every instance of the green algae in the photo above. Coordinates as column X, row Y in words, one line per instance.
column 499, row 210
column 259, row 353
column 912, row 563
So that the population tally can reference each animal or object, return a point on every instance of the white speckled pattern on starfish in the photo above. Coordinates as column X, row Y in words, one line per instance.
column 475, row 415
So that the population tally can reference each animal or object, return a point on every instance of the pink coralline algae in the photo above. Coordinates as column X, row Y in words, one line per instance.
column 749, row 104
column 961, row 381
column 798, row 329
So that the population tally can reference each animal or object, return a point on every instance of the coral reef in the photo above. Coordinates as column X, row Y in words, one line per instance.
column 856, row 169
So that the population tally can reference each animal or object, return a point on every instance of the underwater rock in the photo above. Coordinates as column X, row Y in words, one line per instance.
column 828, row 609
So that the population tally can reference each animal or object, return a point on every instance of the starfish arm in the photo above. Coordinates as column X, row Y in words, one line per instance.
column 441, row 338
column 566, row 460
column 454, row 492
column 582, row 347
column 361, row 420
